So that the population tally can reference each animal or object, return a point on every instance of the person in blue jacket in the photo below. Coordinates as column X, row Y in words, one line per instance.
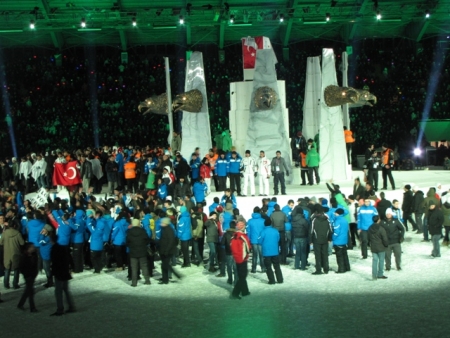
column 46, row 242
column 235, row 167
column 96, row 226
column 184, row 234
column 269, row 240
column 77, row 241
column 271, row 206
column 214, row 205
column 226, row 217
column 199, row 190
column 195, row 163
column 120, row 169
column 65, row 228
column 228, row 197
column 364, row 221
column 35, row 227
column 221, row 171
column 162, row 190
column 118, row 238
column 340, row 241
column 287, row 210
column 255, row 227
column 151, row 164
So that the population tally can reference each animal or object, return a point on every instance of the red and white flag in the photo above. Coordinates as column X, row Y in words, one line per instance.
column 66, row 174
column 249, row 47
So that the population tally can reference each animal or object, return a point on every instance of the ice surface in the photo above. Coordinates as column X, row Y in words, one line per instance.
column 410, row 303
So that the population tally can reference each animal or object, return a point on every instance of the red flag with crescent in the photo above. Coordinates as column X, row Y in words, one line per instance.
column 66, row 174
column 249, row 47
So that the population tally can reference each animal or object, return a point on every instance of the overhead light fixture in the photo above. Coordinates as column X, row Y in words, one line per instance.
column 133, row 22
column 83, row 22
column 181, row 20
column 327, row 17
column 427, row 14
column 281, row 17
column 378, row 15
column 32, row 25
column 231, row 18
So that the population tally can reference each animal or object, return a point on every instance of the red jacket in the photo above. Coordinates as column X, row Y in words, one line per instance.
column 205, row 171
column 240, row 247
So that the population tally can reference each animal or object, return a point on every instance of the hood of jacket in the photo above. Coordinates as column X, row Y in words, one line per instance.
column 256, row 215
column 431, row 192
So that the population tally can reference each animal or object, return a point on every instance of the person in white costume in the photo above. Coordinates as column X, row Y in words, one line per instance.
column 250, row 171
column 264, row 174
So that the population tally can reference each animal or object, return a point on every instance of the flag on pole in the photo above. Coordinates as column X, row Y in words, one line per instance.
column 249, row 47
column 66, row 174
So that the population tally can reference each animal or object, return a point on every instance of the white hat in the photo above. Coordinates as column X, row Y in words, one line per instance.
column 167, row 168
column 14, row 159
column 415, row 188
column 389, row 211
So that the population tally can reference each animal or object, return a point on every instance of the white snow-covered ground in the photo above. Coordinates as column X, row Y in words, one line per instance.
column 411, row 303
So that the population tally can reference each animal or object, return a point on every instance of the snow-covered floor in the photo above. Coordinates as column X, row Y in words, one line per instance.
column 410, row 303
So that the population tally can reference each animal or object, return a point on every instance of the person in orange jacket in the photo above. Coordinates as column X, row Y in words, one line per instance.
column 349, row 140
column 130, row 174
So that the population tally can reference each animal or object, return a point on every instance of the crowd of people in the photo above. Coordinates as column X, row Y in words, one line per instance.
column 162, row 214
column 85, row 96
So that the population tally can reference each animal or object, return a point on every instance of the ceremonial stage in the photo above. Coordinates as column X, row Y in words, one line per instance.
column 337, row 305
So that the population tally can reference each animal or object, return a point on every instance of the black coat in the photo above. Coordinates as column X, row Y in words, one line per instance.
column 435, row 221
column 6, row 173
column 321, row 232
column 111, row 169
column 181, row 191
column 394, row 230
column 86, row 170
column 382, row 206
column 358, row 191
column 60, row 262
column 417, row 202
column 408, row 202
column 29, row 265
column 378, row 238
column 137, row 241
column 226, row 240
column 168, row 242
column 182, row 169
column 300, row 226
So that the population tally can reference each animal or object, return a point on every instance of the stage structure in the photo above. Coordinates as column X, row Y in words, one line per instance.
column 258, row 116
column 311, row 105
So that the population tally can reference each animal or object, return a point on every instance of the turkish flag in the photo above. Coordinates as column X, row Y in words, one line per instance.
column 249, row 47
column 66, row 174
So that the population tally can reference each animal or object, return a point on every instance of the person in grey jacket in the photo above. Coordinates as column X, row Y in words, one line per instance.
column 212, row 238
column 279, row 167
column 300, row 232
column 86, row 173
column 278, row 219
column 378, row 244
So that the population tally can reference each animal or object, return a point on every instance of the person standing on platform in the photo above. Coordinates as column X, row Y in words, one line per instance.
column 349, row 140
column 313, row 161
column 235, row 168
column 212, row 158
column 371, row 169
column 175, row 145
column 279, row 167
column 250, row 172
column 221, row 171
column 387, row 162
column 264, row 171
column 298, row 144
column 130, row 174
column 304, row 170
column 240, row 248
column 378, row 245
column 269, row 241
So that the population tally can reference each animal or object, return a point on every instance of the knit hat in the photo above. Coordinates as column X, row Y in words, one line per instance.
column 313, row 199
column 219, row 209
column 339, row 211
column 183, row 209
column 389, row 211
column 135, row 222
column 229, row 206
column 167, row 168
column 407, row 187
column 415, row 188
column 13, row 159
column 324, row 202
column 89, row 212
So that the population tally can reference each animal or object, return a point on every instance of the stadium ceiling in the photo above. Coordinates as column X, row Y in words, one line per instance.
column 109, row 23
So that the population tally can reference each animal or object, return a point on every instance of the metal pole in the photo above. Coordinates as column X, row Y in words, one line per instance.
column 346, row 117
column 169, row 99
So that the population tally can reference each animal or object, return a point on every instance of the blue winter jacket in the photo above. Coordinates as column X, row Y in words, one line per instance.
column 119, row 232
column 340, row 231
column 195, row 168
column 109, row 224
column 331, row 212
column 120, row 163
column 199, row 190
column 96, row 228
column 365, row 214
column 269, row 241
column 146, row 224
column 223, row 201
column 270, row 208
column 34, row 230
column 150, row 165
column 65, row 230
column 235, row 165
column 255, row 226
column 221, row 167
column 24, row 227
column 227, row 218
column 213, row 207
column 46, row 247
column 158, row 229
column 162, row 191
column 287, row 211
column 79, row 235
column 184, row 227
